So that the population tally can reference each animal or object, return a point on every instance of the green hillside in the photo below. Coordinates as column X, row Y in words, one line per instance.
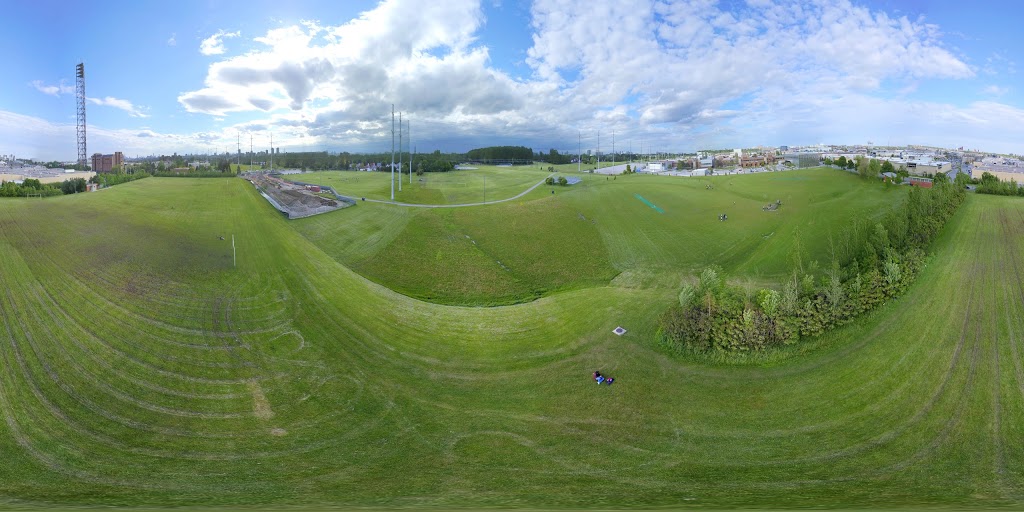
column 140, row 366
column 589, row 233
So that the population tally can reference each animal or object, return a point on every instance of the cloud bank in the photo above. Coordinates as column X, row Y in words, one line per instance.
column 665, row 75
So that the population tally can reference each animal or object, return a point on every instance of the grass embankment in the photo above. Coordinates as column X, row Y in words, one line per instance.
column 141, row 368
column 587, row 234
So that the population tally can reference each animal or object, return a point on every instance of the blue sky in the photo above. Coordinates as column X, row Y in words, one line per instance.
column 663, row 75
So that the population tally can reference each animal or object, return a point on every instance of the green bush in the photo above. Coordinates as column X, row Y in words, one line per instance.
column 713, row 316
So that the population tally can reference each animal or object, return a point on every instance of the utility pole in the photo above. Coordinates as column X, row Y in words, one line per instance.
column 599, row 149
column 399, row 151
column 408, row 130
column 238, row 144
column 579, row 151
column 250, row 152
column 271, row 151
column 613, row 147
column 392, row 151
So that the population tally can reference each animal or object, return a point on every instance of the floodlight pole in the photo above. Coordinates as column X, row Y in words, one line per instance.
column 579, row 151
column 399, row 151
column 599, row 150
column 250, row 152
column 613, row 147
column 271, row 151
column 392, row 151
column 409, row 130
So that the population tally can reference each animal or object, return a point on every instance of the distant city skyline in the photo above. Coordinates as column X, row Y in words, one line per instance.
column 665, row 76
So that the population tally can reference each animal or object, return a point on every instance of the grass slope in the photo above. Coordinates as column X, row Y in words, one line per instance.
column 587, row 234
column 140, row 367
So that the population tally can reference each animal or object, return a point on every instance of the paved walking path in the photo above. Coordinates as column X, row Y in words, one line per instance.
column 414, row 205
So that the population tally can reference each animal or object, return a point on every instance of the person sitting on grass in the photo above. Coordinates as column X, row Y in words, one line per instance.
column 596, row 374
column 609, row 380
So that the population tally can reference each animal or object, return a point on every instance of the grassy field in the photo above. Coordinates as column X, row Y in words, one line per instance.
column 141, row 367
column 486, row 183
column 589, row 233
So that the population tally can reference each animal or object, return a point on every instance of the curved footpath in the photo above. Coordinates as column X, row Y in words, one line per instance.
column 414, row 205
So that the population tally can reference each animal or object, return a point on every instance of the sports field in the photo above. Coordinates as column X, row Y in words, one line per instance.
column 484, row 183
column 140, row 366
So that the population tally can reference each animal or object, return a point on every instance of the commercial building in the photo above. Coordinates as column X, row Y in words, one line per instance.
column 107, row 163
column 1008, row 171
column 756, row 160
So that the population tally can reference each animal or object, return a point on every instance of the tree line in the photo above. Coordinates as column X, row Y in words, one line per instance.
column 867, row 167
column 990, row 184
column 33, row 187
column 870, row 263
column 507, row 153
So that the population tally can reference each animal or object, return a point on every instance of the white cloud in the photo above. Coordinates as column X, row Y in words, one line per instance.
column 214, row 45
column 125, row 105
column 173, row 41
column 53, row 90
column 995, row 90
column 674, row 74
column 37, row 138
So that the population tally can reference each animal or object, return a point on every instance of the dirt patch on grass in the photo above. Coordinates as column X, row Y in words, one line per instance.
column 260, row 404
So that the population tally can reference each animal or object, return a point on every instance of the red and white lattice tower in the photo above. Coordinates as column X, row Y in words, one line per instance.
column 80, row 97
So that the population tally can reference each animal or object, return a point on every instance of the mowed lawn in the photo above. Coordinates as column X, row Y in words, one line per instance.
column 485, row 183
column 141, row 367
column 685, row 233
column 599, row 230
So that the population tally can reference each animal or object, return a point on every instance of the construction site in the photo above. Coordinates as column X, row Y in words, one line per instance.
column 297, row 200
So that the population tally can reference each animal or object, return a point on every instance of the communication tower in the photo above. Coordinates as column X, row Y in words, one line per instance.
column 80, row 98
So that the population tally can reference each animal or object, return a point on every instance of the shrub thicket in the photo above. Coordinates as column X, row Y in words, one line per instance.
column 870, row 265
column 990, row 184
column 111, row 179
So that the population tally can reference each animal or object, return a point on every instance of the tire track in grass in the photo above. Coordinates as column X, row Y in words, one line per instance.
column 941, row 391
column 100, row 384
column 47, row 460
column 148, row 366
column 997, row 406
column 937, row 442
column 62, row 323
column 958, row 413
column 118, row 445
column 1012, row 234
column 919, row 415
column 109, row 304
column 89, row 333
column 95, row 408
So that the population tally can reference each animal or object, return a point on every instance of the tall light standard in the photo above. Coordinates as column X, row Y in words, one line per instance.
column 408, row 129
column 399, row 151
column 392, row 151
column 579, row 151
